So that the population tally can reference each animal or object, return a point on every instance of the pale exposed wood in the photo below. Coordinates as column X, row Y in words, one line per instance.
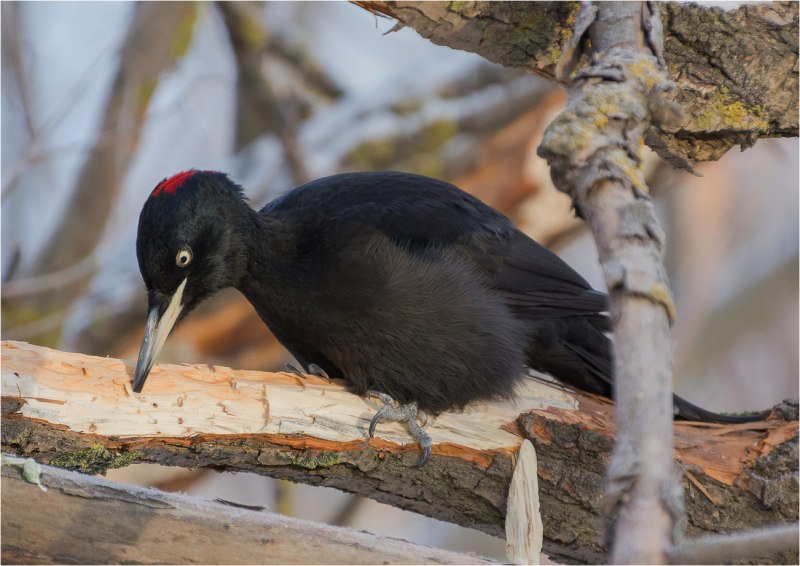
column 93, row 395
column 749, row 469
column 86, row 520
column 524, row 531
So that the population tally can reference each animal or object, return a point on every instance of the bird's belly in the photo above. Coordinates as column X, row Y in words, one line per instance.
column 442, row 350
column 420, row 327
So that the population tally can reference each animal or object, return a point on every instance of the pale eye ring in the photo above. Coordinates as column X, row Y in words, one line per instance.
column 184, row 257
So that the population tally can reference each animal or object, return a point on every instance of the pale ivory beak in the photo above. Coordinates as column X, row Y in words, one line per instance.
column 155, row 334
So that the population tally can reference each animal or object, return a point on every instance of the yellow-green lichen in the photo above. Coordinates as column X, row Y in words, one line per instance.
column 564, row 33
column 319, row 460
column 575, row 130
column 722, row 112
column 93, row 460
column 646, row 71
column 572, row 17
column 460, row 8
column 309, row 461
column 568, row 135
column 628, row 169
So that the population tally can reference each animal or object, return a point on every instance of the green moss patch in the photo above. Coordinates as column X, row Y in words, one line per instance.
column 93, row 460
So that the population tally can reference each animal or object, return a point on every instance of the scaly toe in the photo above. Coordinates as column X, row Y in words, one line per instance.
column 403, row 413
column 385, row 399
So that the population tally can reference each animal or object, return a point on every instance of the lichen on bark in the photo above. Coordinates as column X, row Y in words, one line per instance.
column 736, row 71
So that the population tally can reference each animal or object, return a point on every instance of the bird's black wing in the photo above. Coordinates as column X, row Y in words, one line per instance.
column 421, row 214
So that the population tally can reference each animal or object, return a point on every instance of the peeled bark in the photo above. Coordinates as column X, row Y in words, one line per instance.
column 78, row 412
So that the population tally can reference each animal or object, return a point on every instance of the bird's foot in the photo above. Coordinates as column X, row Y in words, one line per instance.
column 407, row 413
column 313, row 369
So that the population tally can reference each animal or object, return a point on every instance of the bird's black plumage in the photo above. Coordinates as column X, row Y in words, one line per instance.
column 394, row 282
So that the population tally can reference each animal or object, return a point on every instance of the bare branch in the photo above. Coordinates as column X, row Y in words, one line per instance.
column 49, row 281
column 13, row 50
column 124, row 524
column 719, row 549
column 259, row 109
column 594, row 151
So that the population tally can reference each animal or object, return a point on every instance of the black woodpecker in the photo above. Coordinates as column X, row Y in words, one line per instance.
column 405, row 287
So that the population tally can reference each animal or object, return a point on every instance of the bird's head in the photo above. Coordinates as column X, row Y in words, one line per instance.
column 189, row 246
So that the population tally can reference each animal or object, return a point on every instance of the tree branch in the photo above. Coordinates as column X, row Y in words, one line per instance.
column 126, row 524
column 78, row 411
column 726, row 548
column 594, row 152
column 736, row 71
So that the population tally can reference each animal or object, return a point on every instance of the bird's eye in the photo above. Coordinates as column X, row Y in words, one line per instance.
column 184, row 257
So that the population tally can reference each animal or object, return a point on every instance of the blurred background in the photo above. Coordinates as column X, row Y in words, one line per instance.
column 100, row 101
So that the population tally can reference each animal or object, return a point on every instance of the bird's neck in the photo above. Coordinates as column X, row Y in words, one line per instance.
column 270, row 248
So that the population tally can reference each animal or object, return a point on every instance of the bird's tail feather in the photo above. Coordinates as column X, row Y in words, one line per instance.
column 579, row 354
column 685, row 410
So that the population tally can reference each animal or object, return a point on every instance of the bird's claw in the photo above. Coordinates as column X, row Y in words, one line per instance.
column 378, row 418
column 425, row 445
column 291, row 368
column 402, row 413
column 314, row 369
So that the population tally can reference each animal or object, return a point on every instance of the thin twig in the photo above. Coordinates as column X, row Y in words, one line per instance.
column 719, row 549
column 12, row 44
column 49, row 281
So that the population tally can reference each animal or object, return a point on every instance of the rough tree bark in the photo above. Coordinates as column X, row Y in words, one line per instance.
column 94, row 521
column 594, row 151
column 736, row 71
column 78, row 412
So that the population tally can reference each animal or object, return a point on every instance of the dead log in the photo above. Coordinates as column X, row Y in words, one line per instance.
column 78, row 412
column 86, row 520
